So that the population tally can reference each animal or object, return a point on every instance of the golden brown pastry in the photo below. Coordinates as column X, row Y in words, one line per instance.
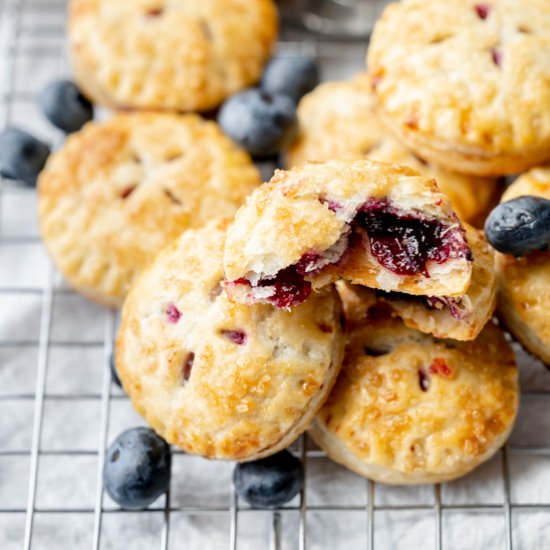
column 181, row 55
column 524, row 283
column 409, row 409
column 464, row 83
column 216, row 378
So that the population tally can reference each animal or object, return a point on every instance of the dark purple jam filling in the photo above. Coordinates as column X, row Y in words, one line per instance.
column 236, row 336
column 433, row 302
column 289, row 288
column 496, row 56
column 423, row 380
column 402, row 243
column 173, row 314
column 482, row 10
column 332, row 205
column 187, row 366
column 441, row 302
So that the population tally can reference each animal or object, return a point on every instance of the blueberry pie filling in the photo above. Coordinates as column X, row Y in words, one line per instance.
column 173, row 314
column 401, row 242
column 289, row 288
column 482, row 10
column 238, row 337
column 455, row 306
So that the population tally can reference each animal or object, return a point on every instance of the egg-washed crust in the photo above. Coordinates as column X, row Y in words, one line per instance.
column 409, row 409
column 311, row 210
column 119, row 190
column 183, row 55
column 464, row 83
column 337, row 121
column 258, row 374
column 524, row 284
column 461, row 318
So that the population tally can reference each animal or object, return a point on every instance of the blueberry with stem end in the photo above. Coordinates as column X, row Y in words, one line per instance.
column 137, row 468
column 260, row 123
column 520, row 226
column 65, row 106
column 22, row 156
column 293, row 76
column 269, row 482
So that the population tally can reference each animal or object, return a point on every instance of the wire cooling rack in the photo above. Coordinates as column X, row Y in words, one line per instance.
column 59, row 408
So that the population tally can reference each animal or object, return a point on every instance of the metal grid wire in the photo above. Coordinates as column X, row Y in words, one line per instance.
column 34, row 30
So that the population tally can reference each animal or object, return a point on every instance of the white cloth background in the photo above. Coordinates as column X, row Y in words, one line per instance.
column 71, row 414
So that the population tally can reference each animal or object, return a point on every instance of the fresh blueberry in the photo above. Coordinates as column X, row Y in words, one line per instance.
column 269, row 482
column 114, row 373
column 293, row 76
column 259, row 122
column 137, row 468
column 65, row 106
column 520, row 226
column 22, row 156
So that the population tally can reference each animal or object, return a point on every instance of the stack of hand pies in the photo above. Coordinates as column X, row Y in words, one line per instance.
column 354, row 294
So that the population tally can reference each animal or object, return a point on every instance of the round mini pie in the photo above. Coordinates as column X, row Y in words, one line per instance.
column 118, row 191
column 183, row 55
column 337, row 121
column 370, row 223
column 524, row 283
column 464, row 83
column 409, row 409
column 459, row 318
column 216, row 378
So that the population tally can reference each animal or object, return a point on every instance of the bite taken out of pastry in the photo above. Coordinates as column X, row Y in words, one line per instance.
column 459, row 318
column 220, row 379
column 372, row 224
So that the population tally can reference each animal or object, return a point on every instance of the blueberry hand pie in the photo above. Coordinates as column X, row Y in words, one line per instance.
column 369, row 223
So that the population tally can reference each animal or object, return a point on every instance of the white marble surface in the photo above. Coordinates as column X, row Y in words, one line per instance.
column 67, row 465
